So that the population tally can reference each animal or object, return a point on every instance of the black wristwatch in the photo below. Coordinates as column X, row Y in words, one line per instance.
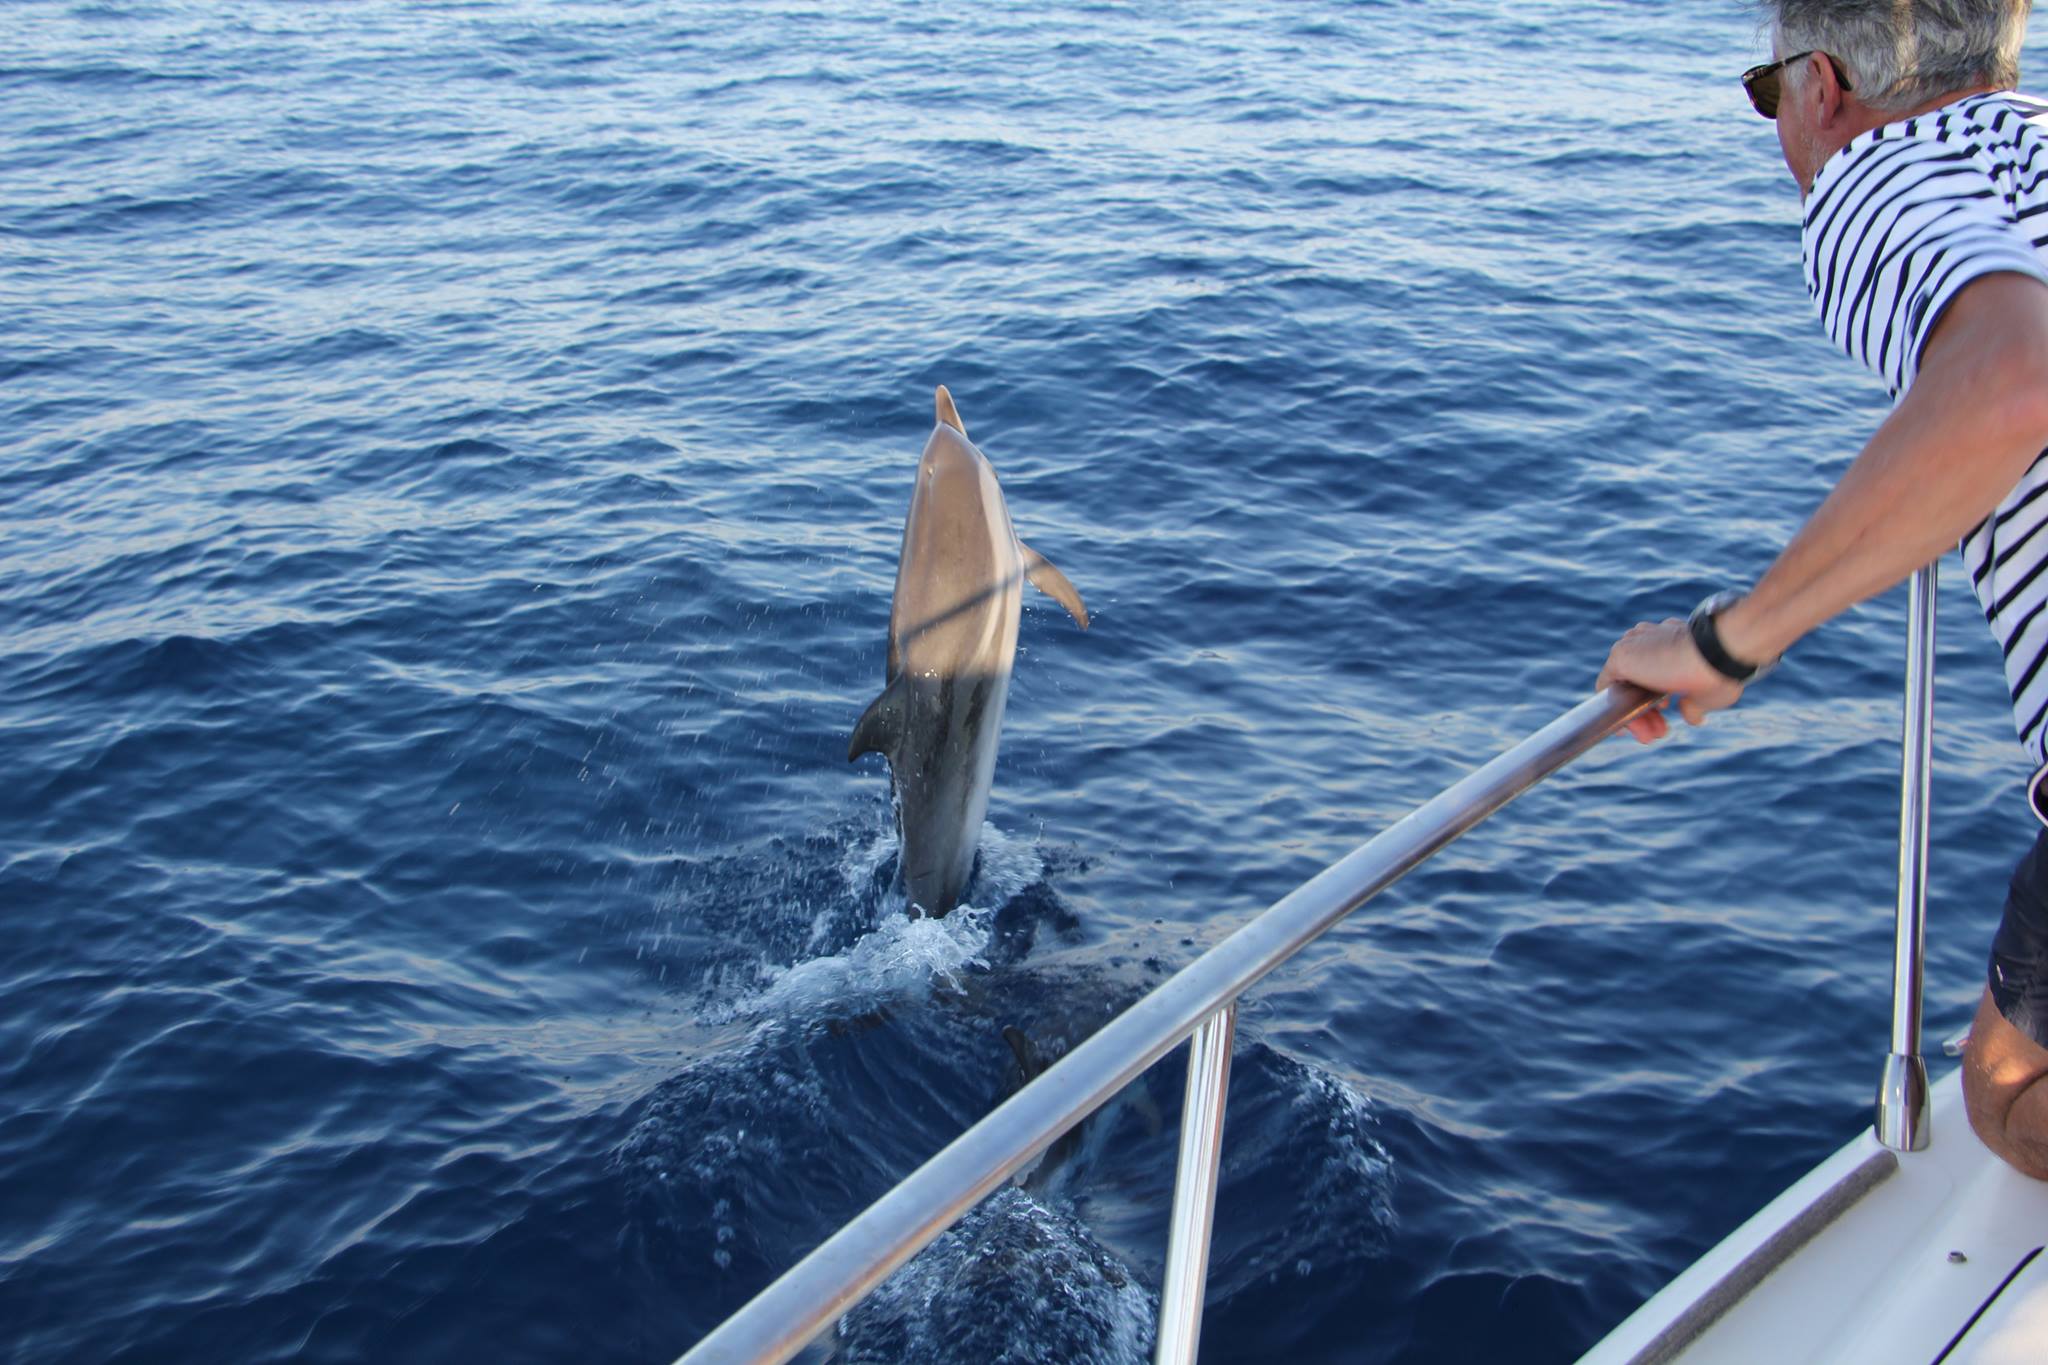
column 1701, row 624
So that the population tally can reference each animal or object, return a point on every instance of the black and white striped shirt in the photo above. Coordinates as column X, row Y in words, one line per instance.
column 1896, row 224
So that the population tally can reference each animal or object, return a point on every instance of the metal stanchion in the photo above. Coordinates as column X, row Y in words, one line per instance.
column 1194, row 1190
column 1902, row 1095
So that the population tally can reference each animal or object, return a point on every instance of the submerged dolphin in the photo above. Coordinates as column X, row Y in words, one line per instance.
column 952, row 640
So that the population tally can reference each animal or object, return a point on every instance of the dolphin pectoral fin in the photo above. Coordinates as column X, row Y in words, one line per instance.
column 949, row 414
column 1053, row 584
column 880, row 725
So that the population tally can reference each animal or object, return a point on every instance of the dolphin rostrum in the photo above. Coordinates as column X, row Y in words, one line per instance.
column 952, row 641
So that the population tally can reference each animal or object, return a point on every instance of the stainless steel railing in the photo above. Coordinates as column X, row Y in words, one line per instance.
column 1201, row 1000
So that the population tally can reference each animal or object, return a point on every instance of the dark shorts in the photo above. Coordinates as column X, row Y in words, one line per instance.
column 2019, row 950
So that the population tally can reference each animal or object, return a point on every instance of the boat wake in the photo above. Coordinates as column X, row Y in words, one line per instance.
column 1017, row 1281
column 850, row 1042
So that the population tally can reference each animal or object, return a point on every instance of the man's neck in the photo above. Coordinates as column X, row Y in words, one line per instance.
column 1818, row 138
column 1860, row 118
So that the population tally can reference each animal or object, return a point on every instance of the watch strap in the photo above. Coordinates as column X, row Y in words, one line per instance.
column 1708, row 639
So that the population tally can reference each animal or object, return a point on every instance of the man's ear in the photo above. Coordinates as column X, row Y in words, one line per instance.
column 1831, row 101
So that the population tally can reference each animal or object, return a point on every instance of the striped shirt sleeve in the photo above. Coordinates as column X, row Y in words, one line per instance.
column 1893, row 231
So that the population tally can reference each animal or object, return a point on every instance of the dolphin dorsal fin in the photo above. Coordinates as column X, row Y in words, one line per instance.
column 1053, row 584
column 949, row 414
column 880, row 726
column 1030, row 1060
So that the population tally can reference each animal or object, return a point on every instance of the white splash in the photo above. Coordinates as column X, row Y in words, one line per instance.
column 900, row 955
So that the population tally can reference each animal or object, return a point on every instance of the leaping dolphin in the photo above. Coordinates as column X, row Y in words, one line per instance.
column 952, row 641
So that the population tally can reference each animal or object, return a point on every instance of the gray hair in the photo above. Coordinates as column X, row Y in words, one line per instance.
column 1900, row 53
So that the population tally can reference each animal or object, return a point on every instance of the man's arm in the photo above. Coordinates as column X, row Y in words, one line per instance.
column 1973, row 422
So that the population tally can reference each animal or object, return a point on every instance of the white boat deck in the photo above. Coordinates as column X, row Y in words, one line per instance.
column 1874, row 1257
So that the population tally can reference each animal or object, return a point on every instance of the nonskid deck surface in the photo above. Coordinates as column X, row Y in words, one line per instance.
column 1873, row 1257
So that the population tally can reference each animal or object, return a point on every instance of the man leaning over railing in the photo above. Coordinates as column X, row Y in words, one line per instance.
column 1925, row 237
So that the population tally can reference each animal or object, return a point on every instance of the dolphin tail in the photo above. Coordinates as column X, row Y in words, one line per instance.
column 949, row 414
column 1053, row 584
column 881, row 725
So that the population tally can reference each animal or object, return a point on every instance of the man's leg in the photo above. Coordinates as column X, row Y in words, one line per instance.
column 2005, row 1068
column 2005, row 1089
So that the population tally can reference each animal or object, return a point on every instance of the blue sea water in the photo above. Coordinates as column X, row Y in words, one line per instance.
column 454, row 460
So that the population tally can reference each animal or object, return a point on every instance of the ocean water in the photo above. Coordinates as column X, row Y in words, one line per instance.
column 454, row 461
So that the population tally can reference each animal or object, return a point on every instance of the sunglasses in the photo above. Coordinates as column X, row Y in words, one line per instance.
column 1762, row 82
